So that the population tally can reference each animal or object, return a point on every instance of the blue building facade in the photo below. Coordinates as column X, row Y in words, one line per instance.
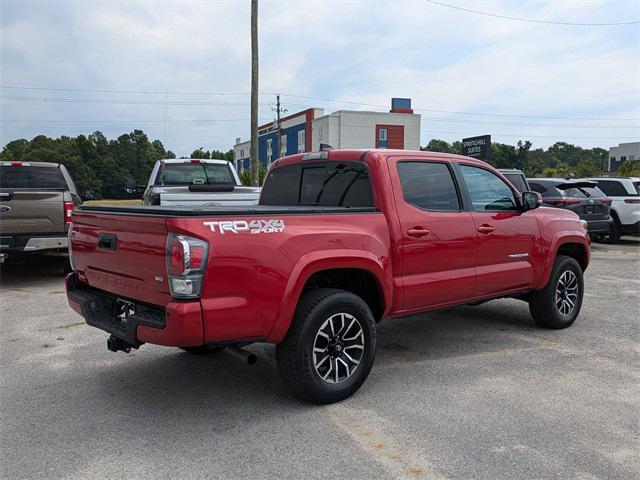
column 296, row 138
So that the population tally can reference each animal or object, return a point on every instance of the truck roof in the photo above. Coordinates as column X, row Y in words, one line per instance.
column 358, row 154
column 194, row 160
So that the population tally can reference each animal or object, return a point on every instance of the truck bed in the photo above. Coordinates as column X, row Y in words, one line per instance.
column 204, row 211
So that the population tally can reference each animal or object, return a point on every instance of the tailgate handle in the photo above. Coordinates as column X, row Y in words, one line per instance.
column 107, row 241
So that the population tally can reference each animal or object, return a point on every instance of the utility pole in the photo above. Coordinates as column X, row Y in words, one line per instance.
column 278, row 126
column 254, row 93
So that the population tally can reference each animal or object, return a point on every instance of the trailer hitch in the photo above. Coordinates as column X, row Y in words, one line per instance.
column 114, row 344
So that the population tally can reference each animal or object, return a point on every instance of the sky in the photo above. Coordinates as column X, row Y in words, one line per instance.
column 180, row 71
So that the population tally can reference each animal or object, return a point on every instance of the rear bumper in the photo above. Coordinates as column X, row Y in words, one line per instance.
column 631, row 229
column 33, row 243
column 179, row 324
column 599, row 226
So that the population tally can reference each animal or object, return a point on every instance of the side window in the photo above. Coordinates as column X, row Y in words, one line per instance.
column 428, row 185
column 536, row 187
column 488, row 192
column 612, row 188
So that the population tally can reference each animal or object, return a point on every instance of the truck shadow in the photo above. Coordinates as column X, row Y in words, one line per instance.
column 30, row 271
column 221, row 386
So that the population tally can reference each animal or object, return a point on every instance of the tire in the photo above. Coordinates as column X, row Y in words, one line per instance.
column 615, row 234
column 310, row 351
column 551, row 311
column 204, row 349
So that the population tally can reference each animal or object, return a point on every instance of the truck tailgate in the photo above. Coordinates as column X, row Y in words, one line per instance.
column 241, row 196
column 32, row 211
column 122, row 254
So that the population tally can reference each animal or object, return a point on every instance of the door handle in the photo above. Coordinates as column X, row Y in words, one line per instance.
column 486, row 228
column 418, row 232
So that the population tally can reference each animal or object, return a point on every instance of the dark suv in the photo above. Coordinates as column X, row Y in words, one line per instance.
column 583, row 198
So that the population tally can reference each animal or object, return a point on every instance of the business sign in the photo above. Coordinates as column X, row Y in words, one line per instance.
column 477, row 147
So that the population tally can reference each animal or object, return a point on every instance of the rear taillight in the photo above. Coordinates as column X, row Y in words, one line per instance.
column 186, row 261
column 68, row 208
column 563, row 202
column 632, row 200
column 606, row 200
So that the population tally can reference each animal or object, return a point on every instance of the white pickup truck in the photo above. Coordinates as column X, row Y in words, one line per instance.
column 197, row 182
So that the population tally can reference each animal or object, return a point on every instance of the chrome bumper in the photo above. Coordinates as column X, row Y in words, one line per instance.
column 43, row 243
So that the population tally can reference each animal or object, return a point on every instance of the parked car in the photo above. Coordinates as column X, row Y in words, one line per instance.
column 36, row 200
column 194, row 182
column 340, row 241
column 581, row 197
column 624, row 193
column 516, row 177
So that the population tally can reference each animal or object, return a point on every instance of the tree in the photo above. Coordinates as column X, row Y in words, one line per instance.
column 199, row 153
column 245, row 176
column 97, row 165
column 587, row 168
column 437, row 145
column 630, row 168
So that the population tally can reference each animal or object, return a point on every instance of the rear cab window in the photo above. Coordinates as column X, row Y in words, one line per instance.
column 194, row 173
column 32, row 176
column 325, row 184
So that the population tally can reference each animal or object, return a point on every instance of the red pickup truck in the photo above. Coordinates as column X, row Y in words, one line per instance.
column 340, row 241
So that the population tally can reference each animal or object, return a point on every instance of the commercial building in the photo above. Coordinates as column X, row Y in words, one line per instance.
column 622, row 153
column 304, row 132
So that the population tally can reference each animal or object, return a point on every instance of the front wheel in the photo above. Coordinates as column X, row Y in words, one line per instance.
column 558, row 304
column 330, row 347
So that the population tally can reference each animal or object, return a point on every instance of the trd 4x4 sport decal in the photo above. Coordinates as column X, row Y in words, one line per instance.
column 253, row 226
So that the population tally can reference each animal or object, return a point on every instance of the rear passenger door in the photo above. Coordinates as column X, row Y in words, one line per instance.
column 437, row 236
column 507, row 236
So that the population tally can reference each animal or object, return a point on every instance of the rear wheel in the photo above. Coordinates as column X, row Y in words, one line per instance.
column 203, row 349
column 330, row 348
column 558, row 304
column 615, row 234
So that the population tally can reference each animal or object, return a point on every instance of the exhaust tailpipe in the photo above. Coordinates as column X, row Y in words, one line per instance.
column 250, row 358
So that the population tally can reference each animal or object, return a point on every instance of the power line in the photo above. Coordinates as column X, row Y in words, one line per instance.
column 525, row 135
column 112, row 101
column 532, row 20
column 197, row 120
column 451, row 112
column 146, row 92
column 329, row 100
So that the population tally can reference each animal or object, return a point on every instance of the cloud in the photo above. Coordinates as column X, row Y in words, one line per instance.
column 360, row 51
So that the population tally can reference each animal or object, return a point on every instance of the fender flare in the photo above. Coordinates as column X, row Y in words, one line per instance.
column 559, row 239
column 318, row 261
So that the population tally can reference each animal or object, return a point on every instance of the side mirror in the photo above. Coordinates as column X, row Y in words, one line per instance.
column 531, row 200
column 131, row 186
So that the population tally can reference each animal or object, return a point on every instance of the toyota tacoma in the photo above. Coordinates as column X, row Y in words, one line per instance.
column 340, row 241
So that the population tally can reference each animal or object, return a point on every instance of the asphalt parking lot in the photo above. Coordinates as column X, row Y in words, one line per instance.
column 470, row 392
